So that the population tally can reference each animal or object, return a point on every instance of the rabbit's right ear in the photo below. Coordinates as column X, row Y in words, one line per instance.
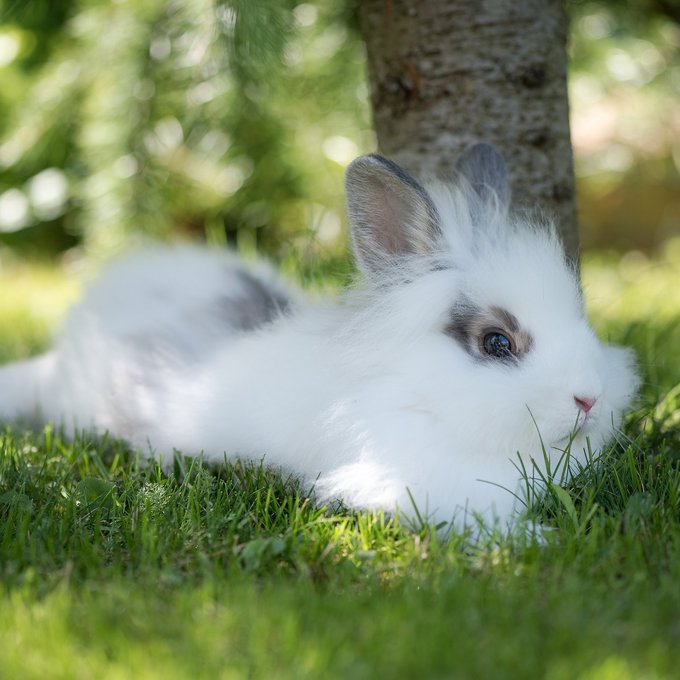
column 484, row 170
column 390, row 214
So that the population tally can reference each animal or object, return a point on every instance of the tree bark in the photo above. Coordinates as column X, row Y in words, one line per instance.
column 447, row 73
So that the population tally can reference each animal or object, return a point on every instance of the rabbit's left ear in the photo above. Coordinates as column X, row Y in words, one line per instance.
column 390, row 213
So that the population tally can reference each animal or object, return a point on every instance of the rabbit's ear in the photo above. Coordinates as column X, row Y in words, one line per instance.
column 390, row 214
column 484, row 170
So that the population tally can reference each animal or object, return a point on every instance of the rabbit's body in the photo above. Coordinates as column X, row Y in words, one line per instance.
column 151, row 321
column 466, row 346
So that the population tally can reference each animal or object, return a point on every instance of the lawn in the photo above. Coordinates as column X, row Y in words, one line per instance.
column 110, row 568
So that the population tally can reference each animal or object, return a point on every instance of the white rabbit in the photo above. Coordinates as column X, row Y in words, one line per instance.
column 465, row 346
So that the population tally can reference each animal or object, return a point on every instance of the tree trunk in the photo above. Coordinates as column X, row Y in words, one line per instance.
column 447, row 73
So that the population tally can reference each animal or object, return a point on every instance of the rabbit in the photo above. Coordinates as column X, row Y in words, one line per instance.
column 462, row 357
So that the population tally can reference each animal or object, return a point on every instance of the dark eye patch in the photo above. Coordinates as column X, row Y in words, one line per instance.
column 508, row 321
column 488, row 334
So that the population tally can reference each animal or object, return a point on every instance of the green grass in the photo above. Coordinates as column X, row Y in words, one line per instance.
column 110, row 568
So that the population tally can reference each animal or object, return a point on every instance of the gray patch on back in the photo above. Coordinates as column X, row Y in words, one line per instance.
column 165, row 352
column 258, row 306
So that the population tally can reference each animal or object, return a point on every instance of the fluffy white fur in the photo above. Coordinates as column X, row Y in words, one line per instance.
column 367, row 398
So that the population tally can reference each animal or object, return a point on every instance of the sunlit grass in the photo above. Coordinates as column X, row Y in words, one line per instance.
column 113, row 568
column 33, row 299
column 635, row 300
column 633, row 287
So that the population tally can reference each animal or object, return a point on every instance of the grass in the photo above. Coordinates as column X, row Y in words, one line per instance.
column 109, row 568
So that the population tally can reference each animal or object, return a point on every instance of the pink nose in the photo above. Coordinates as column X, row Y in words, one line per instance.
column 585, row 403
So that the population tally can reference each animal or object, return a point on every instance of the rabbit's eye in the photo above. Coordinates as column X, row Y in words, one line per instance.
column 497, row 344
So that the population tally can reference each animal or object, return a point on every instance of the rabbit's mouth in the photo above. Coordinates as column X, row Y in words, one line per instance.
column 578, row 429
column 585, row 424
column 562, row 443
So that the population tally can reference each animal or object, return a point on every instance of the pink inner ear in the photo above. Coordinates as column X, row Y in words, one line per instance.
column 389, row 212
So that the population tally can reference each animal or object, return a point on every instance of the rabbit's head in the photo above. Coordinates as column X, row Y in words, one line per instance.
column 486, row 304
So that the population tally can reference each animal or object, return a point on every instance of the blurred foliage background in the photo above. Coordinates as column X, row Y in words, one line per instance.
column 233, row 120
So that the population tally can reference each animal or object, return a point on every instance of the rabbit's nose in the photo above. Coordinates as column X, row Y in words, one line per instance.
column 585, row 403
